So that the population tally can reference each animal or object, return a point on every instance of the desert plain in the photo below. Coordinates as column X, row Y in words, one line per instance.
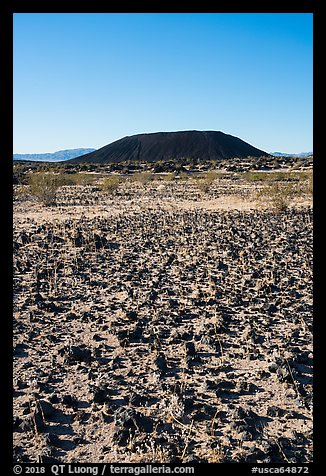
column 168, row 319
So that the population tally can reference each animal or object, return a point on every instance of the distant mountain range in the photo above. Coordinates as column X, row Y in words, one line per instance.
column 54, row 156
column 163, row 144
column 283, row 154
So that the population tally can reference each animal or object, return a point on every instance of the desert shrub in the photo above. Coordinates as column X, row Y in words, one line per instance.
column 282, row 187
column 45, row 185
column 19, row 176
column 111, row 183
column 81, row 178
column 205, row 180
column 142, row 177
column 257, row 176
column 169, row 177
column 21, row 192
column 270, row 177
column 278, row 195
column 307, row 185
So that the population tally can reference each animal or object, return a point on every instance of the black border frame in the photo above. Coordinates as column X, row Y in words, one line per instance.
column 6, row 197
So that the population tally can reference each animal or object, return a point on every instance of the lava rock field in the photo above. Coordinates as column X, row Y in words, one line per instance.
column 164, row 336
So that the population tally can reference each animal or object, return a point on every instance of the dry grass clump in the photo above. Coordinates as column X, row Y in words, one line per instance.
column 169, row 177
column 269, row 177
column 81, row 178
column 110, row 184
column 306, row 183
column 206, row 180
column 258, row 176
column 18, row 175
column 142, row 177
column 45, row 185
column 282, row 188
column 279, row 196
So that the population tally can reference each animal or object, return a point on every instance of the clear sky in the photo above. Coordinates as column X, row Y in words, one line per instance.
column 85, row 80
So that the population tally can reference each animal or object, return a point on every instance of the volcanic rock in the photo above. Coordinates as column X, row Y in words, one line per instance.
column 204, row 145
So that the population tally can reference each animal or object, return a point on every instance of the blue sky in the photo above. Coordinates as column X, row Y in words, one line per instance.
column 85, row 80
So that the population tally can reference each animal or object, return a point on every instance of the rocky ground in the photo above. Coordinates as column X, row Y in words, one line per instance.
column 161, row 324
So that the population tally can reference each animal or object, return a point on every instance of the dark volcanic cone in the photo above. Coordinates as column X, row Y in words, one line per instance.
column 210, row 145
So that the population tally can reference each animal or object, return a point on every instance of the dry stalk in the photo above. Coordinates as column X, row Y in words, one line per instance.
column 188, row 439
column 213, row 422
column 247, row 346
column 220, row 344
column 281, row 451
column 294, row 383
column 37, row 435
column 55, row 277
column 179, row 422
column 40, row 407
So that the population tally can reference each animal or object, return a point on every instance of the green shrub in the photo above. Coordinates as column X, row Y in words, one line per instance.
column 81, row 178
column 45, row 185
column 142, row 177
column 19, row 175
column 299, row 176
column 205, row 180
column 257, row 176
column 111, row 183
column 169, row 177
column 279, row 195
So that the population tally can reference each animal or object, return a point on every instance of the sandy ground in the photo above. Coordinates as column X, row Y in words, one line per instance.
column 162, row 324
